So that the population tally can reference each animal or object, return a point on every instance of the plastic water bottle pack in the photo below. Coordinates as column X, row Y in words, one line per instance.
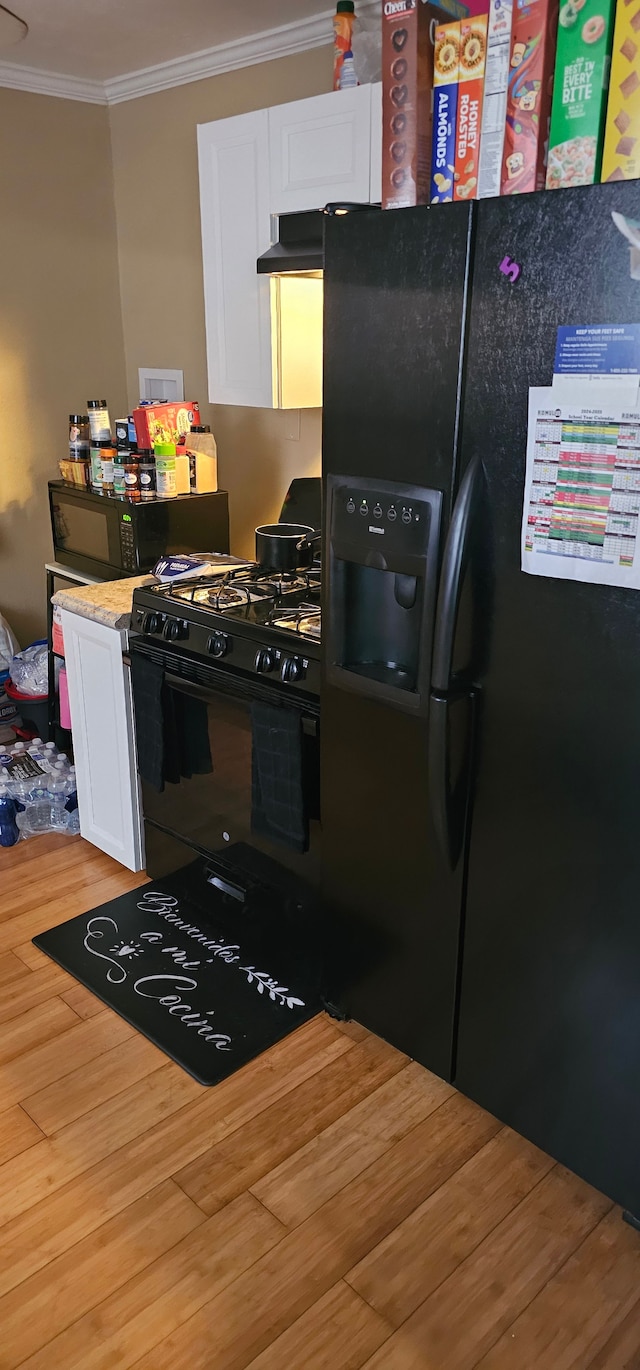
column 37, row 792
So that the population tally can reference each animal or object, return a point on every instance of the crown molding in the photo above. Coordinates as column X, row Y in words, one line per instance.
column 39, row 82
column 284, row 41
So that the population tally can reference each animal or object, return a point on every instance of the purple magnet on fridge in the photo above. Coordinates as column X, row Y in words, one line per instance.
column 510, row 268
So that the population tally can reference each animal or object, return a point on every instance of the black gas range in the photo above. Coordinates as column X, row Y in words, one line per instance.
column 226, row 683
column 242, row 619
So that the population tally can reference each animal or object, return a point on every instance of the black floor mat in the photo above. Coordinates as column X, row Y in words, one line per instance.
column 211, row 982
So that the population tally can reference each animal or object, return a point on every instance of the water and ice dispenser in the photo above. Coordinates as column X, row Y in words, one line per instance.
column 381, row 569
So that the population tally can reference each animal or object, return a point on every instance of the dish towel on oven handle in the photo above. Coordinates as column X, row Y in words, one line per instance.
column 279, row 809
column 171, row 728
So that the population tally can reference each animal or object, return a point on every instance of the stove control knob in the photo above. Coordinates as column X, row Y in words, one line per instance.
column 218, row 644
column 175, row 629
column 265, row 661
column 292, row 669
column 152, row 623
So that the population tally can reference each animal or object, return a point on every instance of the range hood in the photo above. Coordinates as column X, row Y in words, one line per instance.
column 297, row 243
column 294, row 263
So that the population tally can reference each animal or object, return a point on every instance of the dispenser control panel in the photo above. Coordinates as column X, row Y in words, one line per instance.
column 374, row 516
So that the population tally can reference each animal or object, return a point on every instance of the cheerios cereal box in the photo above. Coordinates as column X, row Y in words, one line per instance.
column 585, row 32
column 473, row 56
column 531, row 63
column 621, row 157
column 446, row 63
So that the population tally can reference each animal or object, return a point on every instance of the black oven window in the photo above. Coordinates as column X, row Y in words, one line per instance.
column 83, row 531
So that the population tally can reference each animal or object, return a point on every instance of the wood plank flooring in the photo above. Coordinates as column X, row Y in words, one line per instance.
column 332, row 1206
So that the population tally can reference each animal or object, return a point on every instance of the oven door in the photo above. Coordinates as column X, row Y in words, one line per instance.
column 225, row 813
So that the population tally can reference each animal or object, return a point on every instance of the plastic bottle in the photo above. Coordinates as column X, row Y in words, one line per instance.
column 183, row 482
column 57, row 801
column 344, row 20
column 71, row 806
column 203, row 460
column 9, row 830
column 348, row 78
column 165, row 453
column 37, row 807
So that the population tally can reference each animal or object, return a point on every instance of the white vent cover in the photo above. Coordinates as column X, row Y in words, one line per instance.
column 160, row 383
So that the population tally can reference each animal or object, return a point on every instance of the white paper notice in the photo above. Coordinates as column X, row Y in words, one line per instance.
column 582, row 488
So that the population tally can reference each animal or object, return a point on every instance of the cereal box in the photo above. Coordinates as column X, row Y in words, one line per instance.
column 446, row 63
column 585, row 31
column 408, row 39
column 494, row 108
column 531, row 62
column 473, row 55
column 621, row 158
column 164, row 422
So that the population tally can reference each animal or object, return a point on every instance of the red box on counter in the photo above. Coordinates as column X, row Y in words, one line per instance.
column 531, row 65
column 164, row 422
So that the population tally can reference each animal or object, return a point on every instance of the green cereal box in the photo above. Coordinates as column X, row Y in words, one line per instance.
column 583, row 54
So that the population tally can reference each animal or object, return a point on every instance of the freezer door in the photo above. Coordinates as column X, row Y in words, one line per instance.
column 395, row 301
column 549, row 1023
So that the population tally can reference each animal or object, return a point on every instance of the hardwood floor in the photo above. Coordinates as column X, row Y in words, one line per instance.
column 330, row 1205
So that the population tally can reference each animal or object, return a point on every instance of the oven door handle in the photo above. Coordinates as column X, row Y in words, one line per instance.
column 208, row 693
column 190, row 687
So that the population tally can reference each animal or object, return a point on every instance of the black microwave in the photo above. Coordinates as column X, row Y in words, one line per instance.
column 108, row 536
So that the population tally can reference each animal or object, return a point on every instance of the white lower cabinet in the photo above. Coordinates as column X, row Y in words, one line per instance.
column 102, row 721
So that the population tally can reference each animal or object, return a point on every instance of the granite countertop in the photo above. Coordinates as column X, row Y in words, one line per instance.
column 109, row 602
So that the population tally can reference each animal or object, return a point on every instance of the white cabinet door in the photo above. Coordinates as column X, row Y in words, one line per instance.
column 319, row 150
column 103, row 739
column 375, row 192
column 233, row 157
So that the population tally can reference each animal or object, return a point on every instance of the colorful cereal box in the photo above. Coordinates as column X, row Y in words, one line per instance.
column 446, row 63
column 531, row 62
column 585, row 31
column 621, row 158
column 473, row 55
column 408, row 44
column 494, row 108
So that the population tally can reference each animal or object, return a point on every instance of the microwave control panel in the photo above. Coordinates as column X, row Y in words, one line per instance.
column 127, row 544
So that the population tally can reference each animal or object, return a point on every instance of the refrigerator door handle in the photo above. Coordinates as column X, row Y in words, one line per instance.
column 451, row 575
column 449, row 798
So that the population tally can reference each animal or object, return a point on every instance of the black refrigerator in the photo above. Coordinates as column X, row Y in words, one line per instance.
column 481, row 849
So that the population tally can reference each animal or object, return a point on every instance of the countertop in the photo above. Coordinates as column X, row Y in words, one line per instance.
column 109, row 602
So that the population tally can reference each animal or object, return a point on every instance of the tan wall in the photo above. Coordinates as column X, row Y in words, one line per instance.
column 157, row 205
column 60, row 322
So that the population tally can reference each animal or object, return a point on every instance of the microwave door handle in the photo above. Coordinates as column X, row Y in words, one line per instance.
column 452, row 575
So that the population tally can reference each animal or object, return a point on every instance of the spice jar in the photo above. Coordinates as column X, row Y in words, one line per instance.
column 119, row 462
column 78, row 436
column 107, row 455
column 132, row 477
column 99, row 423
column 165, row 453
column 147, row 474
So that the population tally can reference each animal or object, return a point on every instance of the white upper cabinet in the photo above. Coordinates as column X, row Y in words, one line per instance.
column 234, row 206
column 291, row 158
column 319, row 150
